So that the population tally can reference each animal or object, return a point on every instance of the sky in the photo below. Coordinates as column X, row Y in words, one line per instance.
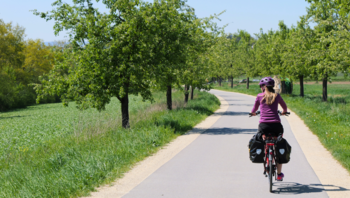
column 249, row 15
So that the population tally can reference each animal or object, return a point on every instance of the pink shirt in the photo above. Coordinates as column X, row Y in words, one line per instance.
column 269, row 113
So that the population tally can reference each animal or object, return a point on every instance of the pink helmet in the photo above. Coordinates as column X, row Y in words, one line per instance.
column 267, row 81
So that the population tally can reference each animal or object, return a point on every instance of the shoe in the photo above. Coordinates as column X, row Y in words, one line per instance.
column 280, row 177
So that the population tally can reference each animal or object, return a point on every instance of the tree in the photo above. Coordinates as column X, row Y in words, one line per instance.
column 296, row 57
column 21, row 63
column 38, row 60
column 196, row 70
column 338, row 36
column 246, row 55
column 324, row 13
column 175, row 28
column 270, row 49
column 117, row 52
column 11, row 45
column 231, row 56
column 263, row 48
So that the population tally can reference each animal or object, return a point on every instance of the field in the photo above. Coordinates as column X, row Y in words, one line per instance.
column 328, row 120
column 52, row 151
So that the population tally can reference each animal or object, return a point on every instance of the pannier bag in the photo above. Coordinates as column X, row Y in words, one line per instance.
column 256, row 150
column 283, row 150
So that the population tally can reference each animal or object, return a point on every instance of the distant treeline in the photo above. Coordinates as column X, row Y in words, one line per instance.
column 21, row 63
column 316, row 48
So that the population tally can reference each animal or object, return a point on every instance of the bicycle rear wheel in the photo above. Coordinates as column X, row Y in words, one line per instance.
column 270, row 174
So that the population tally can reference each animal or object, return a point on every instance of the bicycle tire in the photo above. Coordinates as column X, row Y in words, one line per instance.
column 270, row 174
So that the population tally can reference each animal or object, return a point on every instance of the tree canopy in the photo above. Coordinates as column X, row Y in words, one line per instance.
column 121, row 52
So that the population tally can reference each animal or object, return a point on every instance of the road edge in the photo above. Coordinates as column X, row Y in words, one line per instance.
column 146, row 167
column 333, row 176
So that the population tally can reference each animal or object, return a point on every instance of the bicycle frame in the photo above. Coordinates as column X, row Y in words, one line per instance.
column 269, row 155
column 270, row 160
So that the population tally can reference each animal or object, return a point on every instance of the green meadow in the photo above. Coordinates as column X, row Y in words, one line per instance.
column 54, row 151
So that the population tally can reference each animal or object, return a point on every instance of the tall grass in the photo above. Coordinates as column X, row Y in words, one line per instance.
column 328, row 120
column 52, row 151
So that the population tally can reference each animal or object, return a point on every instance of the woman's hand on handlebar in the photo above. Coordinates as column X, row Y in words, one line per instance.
column 254, row 113
column 285, row 113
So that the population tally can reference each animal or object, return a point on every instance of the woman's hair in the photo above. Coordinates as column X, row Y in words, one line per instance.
column 269, row 95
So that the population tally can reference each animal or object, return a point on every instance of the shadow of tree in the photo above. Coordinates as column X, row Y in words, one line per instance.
column 9, row 117
column 174, row 124
column 331, row 99
column 180, row 126
column 200, row 109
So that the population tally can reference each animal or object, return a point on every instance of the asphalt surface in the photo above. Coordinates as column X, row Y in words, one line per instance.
column 217, row 163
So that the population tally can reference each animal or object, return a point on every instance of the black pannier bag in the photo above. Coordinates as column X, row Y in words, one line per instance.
column 283, row 150
column 256, row 150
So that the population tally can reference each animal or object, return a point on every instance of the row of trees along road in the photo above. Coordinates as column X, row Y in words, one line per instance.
column 132, row 48
column 297, row 52
column 21, row 63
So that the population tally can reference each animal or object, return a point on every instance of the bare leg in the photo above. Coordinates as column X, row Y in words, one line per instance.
column 279, row 168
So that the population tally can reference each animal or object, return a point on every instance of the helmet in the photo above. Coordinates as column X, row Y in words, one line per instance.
column 267, row 81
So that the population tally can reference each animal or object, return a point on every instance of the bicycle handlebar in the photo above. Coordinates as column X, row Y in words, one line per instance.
column 286, row 114
column 257, row 113
column 279, row 112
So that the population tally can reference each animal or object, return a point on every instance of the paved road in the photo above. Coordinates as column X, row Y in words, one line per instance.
column 216, row 164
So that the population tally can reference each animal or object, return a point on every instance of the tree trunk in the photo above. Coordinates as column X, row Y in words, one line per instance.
column 186, row 93
column 301, row 78
column 247, row 82
column 324, row 85
column 283, row 86
column 125, row 110
column 219, row 79
column 169, row 101
column 291, row 87
column 192, row 90
column 231, row 81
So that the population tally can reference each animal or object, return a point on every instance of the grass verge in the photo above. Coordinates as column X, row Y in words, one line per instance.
column 52, row 151
column 328, row 120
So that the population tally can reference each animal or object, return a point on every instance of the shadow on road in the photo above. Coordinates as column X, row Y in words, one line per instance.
column 228, row 131
column 230, row 96
column 237, row 105
column 297, row 188
column 231, row 113
column 232, row 100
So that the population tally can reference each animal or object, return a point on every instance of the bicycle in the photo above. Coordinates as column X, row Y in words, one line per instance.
column 270, row 154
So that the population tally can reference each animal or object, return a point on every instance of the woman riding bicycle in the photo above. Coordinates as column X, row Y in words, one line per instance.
column 270, row 122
